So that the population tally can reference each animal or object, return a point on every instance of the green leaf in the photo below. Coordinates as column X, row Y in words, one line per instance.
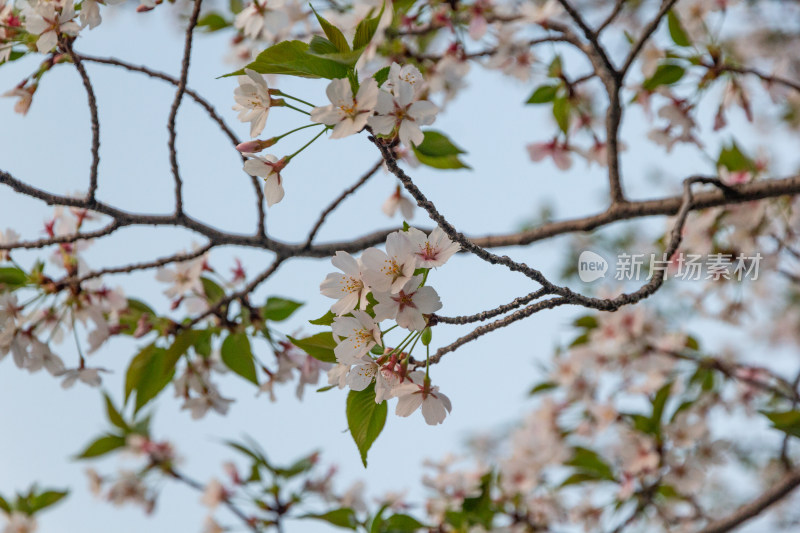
column 554, row 70
column 237, row 355
column 366, row 30
column 277, row 309
column 561, row 112
column 113, row 415
column 292, row 58
column 589, row 462
column 402, row 523
column 665, row 74
column 324, row 320
column 438, row 151
column 135, row 369
column 381, row 76
column 333, row 33
column 586, row 322
column 46, row 499
column 732, row 158
column 659, row 401
column 365, row 419
column 786, row 421
column 102, row 446
column 12, row 277
column 180, row 345
column 320, row 46
column 437, row 144
column 212, row 290
column 542, row 387
column 155, row 376
column 147, row 375
column 235, row 6
column 344, row 517
column 543, row 94
column 676, row 31
column 212, row 22
column 4, row 506
column 319, row 346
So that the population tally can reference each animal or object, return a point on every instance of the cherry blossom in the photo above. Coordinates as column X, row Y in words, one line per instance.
column 19, row 522
column 360, row 333
column 265, row 18
column 252, row 101
column 346, row 113
column 398, row 111
column 45, row 21
column 560, row 153
column 398, row 201
column 411, row 396
column 409, row 305
column 433, row 250
column 348, row 287
column 269, row 168
column 389, row 270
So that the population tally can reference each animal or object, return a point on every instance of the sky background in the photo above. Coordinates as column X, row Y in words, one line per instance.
column 42, row 426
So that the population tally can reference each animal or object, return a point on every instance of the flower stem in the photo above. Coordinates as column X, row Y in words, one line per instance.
column 294, row 130
column 281, row 93
column 317, row 136
column 296, row 108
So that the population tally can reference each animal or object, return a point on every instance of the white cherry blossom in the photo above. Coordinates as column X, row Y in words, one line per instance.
column 411, row 396
column 45, row 21
column 360, row 334
column 348, row 287
column 408, row 305
column 389, row 270
column 269, row 168
column 252, row 101
column 398, row 110
column 431, row 250
column 398, row 201
column 346, row 113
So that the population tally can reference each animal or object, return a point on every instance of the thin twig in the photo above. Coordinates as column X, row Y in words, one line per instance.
column 774, row 494
column 87, row 84
column 491, row 313
column 176, row 258
column 173, row 112
column 651, row 27
column 334, row 204
column 205, row 104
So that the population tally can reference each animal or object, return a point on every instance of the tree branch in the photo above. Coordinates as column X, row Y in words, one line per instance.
column 333, row 205
column 774, row 494
column 87, row 84
column 173, row 112
column 205, row 105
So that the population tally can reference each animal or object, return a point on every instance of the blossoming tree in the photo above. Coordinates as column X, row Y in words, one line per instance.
column 628, row 430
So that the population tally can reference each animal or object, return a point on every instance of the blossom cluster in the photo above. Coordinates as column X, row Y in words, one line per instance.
column 387, row 285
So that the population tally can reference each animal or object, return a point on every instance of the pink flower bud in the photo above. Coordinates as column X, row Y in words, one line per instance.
column 249, row 147
column 143, row 9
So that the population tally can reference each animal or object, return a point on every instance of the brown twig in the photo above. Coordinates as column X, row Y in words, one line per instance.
column 335, row 203
column 771, row 496
column 173, row 112
column 87, row 84
column 212, row 113
column 491, row 313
